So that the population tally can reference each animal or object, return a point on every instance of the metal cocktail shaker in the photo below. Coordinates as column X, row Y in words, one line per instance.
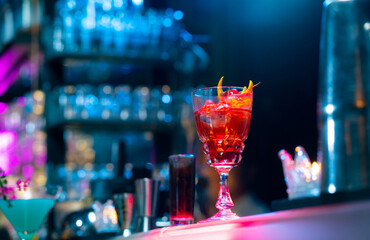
column 147, row 199
column 344, row 90
column 124, row 203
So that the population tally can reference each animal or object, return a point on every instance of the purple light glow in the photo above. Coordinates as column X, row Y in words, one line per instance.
column 9, row 162
column 8, row 80
column 4, row 162
column 21, row 101
column 27, row 171
column 9, row 73
column 40, row 161
column 3, row 107
column 26, row 155
column 14, row 162
column 13, row 121
column 8, row 141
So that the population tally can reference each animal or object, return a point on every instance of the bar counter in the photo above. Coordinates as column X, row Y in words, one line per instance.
column 336, row 221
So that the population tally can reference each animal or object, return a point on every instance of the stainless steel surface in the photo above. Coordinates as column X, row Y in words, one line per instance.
column 145, row 224
column 343, row 95
column 147, row 199
column 123, row 203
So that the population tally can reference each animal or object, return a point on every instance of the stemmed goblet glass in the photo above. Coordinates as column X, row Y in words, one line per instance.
column 222, row 117
column 29, row 208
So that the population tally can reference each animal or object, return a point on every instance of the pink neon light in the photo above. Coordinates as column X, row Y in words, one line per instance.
column 8, row 74
column 3, row 107
column 8, row 140
column 27, row 171
column 27, row 154
column 4, row 162
column 21, row 101
column 40, row 161
column 14, row 163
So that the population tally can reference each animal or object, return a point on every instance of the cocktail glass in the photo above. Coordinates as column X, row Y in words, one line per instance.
column 222, row 117
column 27, row 212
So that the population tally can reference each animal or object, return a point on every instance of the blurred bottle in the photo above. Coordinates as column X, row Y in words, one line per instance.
column 9, row 30
column 344, row 90
column 119, row 25
column 28, row 13
column 106, row 24
column 16, row 6
column 165, row 113
column 67, row 13
column 70, row 107
column 106, row 217
column 115, row 27
column 155, row 29
column 80, row 102
column 88, row 24
column 141, row 96
column 123, row 97
column 58, row 42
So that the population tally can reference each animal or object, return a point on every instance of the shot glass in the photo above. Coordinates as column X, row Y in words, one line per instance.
column 182, row 189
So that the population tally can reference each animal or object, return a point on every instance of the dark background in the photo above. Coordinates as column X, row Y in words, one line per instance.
column 272, row 42
column 275, row 43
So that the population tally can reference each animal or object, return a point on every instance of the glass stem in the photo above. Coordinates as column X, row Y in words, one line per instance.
column 224, row 199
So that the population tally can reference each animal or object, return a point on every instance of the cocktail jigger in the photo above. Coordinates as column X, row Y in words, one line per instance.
column 123, row 203
column 146, row 198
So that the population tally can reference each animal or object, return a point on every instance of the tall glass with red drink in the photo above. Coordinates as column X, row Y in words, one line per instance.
column 182, row 188
column 222, row 117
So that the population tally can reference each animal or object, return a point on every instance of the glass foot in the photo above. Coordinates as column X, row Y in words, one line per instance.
column 181, row 221
column 221, row 215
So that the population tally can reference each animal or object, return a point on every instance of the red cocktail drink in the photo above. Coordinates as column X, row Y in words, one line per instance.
column 222, row 117
column 223, row 132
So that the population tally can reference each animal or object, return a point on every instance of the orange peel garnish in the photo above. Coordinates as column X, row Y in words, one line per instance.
column 249, row 89
column 239, row 101
column 219, row 87
column 243, row 102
